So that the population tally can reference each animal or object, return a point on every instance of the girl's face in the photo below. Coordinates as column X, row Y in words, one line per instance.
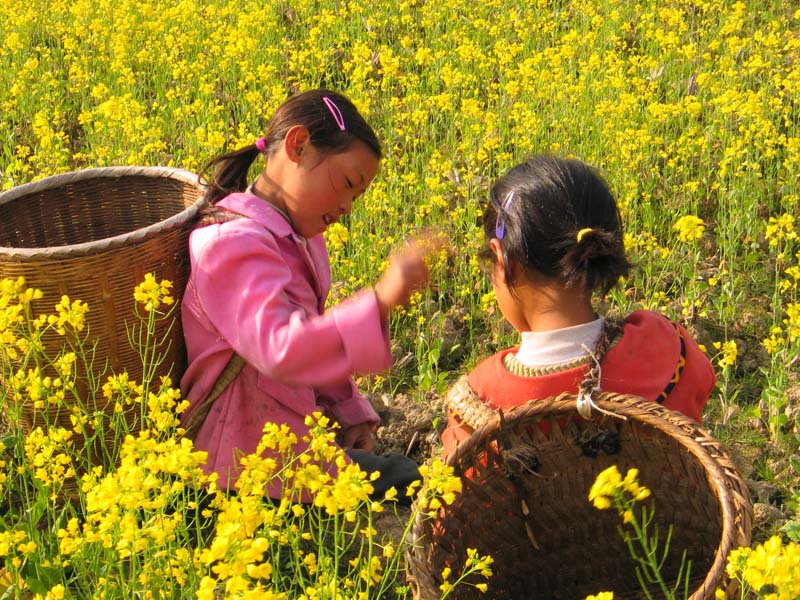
column 323, row 187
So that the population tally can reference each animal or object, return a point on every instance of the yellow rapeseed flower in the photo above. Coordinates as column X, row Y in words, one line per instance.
column 610, row 487
column 442, row 486
column 776, row 340
column 604, row 487
column 773, row 566
column 72, row 314
column 792, row 321
column 781, row 228
column 689, row 228
column 152, row 294
column 729, row 351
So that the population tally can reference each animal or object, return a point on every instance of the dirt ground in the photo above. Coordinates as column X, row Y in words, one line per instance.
column 407, row 426
column 411, row 428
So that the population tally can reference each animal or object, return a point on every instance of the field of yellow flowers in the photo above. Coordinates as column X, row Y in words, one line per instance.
column 691, row 108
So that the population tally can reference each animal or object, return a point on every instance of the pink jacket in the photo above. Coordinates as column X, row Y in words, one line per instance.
column 259, row 289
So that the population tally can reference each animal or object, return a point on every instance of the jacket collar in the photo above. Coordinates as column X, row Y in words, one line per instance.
column 261, row 211
column 313, row 250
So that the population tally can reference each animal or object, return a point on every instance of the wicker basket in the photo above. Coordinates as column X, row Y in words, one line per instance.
column 92, row 235
column 565, row 549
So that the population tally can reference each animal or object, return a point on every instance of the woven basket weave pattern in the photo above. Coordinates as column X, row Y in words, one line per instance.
column 543, row 461
column 92, row 235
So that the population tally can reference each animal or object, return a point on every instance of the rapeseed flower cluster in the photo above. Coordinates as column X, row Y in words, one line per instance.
column 689, row 228
column 442, row 487
column 152, row 294
column 780, row 229
column 474, row 564
column 48, row 455
column 15, row 307
column 131, row 510
column 70, row 314
column 728, row 352
column 611, row 489
column 771, row 569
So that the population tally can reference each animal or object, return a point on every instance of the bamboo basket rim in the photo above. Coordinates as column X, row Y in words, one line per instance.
column 730, row 490
column 114, row 172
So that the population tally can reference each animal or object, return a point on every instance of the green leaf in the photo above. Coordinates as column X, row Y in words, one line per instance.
column 792, row 531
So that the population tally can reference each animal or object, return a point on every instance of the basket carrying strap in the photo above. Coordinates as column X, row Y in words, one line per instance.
column 465, row 403
column 214, row 215
column 232, row 368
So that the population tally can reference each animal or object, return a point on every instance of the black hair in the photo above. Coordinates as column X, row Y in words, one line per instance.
column 562, row 222
column 229, row 172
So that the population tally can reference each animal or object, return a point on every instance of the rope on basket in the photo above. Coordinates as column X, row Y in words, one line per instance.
column 585, row 401
column 461, row 400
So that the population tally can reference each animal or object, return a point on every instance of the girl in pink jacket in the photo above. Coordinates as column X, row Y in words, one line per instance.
column 259, row 282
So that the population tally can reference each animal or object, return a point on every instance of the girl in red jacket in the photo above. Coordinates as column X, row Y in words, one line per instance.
column 554, row 240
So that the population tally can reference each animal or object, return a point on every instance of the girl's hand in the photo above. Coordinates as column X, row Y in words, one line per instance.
column 407, row 272
column 358, row 437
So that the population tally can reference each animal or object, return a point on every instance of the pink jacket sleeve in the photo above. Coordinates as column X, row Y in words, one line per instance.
column 250, row 294
column 346, row 404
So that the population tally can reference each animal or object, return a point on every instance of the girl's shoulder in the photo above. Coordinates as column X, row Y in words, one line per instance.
column 647, row 319
column 653, row 333
column 648, row 338
column 236, row 215
column 658, row 359
column 503, row 387
column 255, row 211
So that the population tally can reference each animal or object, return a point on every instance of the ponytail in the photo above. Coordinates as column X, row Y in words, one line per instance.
column 596, row 261
column 229, row 173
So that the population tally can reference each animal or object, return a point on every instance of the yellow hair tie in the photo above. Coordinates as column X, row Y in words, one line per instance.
column 582, row 233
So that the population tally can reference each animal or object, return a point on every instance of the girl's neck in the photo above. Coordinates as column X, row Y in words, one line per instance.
column 265, row 188
column 549, row 307
column 559, row 318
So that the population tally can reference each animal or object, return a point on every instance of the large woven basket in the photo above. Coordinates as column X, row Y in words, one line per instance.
column 93, row 235
column 525, row 503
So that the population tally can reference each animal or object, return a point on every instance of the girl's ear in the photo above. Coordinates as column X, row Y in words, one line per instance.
column 499, row 258
column 295, row 141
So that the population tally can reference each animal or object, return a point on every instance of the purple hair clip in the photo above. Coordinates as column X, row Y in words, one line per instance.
column 502, row 211
column 337, row 114
column 261, row 144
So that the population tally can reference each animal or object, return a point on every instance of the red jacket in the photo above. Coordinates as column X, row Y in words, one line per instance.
column 655, row 358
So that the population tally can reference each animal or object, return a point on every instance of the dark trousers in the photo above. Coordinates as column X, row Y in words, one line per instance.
column 396, row 471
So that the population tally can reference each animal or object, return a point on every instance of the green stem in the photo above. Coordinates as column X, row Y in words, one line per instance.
column 649, row 547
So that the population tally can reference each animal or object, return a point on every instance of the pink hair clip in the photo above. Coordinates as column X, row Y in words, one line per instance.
column 261, row 144
column 337, row 114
